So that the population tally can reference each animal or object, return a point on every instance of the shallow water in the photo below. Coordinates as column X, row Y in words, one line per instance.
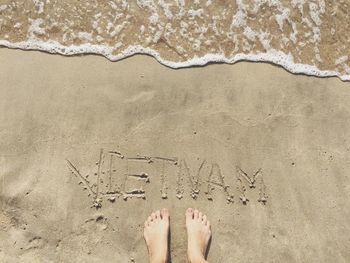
column 302, row 36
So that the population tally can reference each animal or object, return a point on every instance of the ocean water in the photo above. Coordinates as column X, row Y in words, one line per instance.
column 303, row 36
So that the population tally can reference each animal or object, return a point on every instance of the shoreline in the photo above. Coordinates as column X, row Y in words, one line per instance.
column 273, row 57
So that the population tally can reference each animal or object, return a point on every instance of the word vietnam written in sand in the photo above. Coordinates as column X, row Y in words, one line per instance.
column 121, row 176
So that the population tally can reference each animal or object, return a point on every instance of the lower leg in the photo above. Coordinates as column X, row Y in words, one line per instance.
column 199, row 234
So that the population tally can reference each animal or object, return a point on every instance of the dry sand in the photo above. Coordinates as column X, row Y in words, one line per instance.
column 247, row 116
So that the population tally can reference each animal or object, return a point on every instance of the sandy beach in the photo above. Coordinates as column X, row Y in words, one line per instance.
column 88, row 148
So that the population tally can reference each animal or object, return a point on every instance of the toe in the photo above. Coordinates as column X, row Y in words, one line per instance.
column 149, row 219
column 195, row 214
column 164, row 213
column 157, row 214
column 204, row 219
column 208, row 224
column 146, row 224
column 200, row 215
column 153, row 215
column 189, row 213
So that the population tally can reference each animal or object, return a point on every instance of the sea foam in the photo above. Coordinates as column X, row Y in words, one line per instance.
column 304, row 37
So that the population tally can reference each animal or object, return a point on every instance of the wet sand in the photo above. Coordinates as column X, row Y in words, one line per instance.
column 309, row 37
column 170, row 138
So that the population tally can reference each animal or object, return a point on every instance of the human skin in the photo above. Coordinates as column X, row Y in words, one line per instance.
column 156, row 234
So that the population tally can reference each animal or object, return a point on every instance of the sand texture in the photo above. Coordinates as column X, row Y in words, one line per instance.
column 308, row 37
column 89, row 148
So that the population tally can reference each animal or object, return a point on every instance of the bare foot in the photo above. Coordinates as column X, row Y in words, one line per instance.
column 199, row 233
column 156, row 235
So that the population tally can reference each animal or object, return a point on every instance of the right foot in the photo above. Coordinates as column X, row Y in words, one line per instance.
column 199, row 233
column 156, row 233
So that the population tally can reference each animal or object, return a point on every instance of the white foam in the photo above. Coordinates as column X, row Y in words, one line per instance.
column 299, row 4
column 193, row 13
column 166, row 8
column 85, row 36
column 249, row 33
column 17, row 25
column 208, row 3
column 284, row 16
column 341, row 60
column 39, row 6
column 3, row 8
column 271, row 56
column 316, row 10
column 35, row 28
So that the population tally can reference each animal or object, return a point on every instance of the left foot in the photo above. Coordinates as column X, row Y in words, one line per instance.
column 156, row 235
